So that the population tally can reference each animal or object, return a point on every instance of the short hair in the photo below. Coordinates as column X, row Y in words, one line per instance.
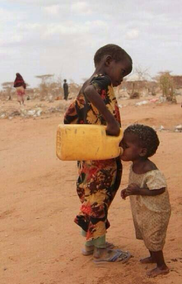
column 115, row 51
column 147, row 137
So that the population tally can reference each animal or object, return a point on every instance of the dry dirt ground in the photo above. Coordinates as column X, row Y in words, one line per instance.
column 39, row 242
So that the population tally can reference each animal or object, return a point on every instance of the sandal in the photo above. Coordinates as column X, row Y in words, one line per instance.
column 88, row 250
column 119, row 256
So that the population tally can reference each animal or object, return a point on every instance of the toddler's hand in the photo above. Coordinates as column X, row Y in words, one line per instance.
column 123, row 193
column 132, row 189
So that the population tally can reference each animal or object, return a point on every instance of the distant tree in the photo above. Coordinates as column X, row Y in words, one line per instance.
column 45, row 78
column 59, row 86
column 50, row 86
column 74, row 88
column 45, row 85
column 166, row 85
column 141, row 75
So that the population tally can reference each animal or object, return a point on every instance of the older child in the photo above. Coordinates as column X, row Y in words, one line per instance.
column 99, row 181
column 148, row 193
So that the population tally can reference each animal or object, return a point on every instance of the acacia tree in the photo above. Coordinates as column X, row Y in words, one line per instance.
column 166, row 85
column 74, row 88
column 58, row 87
column 48, row 86
column 141, row 75
column 45, row 84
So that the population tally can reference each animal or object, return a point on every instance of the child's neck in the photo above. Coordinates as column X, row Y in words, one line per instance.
column 143, row 165
column 100, row 69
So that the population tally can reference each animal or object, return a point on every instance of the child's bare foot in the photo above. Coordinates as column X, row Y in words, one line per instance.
column 148, row 259
column 158, row 271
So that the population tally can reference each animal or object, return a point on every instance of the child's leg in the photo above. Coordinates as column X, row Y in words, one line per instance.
column 19, row 100
column 161, row 265
column 100, row 246
column 97, row 246
column 103, row 249
column 103, row 252
column 89, row 245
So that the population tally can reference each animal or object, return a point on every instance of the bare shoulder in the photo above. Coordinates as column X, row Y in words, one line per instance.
column 86, row 85
column 149, row 166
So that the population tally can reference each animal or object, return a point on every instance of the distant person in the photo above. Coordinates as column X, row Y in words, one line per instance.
column 65, row 89
column 148, row 193
column 20, row 86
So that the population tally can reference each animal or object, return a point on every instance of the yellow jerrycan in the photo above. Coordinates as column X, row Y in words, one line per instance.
column 86, row 142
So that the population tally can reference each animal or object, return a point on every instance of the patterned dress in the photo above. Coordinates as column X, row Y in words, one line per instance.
column 98, row 181
column 150, row 213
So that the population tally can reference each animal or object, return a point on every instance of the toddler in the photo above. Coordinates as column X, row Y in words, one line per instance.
column 148, row 193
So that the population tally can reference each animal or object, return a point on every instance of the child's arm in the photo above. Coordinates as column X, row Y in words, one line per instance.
column 92, row 95
column 134, row 189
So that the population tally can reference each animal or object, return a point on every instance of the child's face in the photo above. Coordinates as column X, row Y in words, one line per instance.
column 132, row 151
column 118, row 70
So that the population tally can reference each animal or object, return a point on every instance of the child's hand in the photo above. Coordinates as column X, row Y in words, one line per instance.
column 113, row 129
column 123, row 193
column 132, row 189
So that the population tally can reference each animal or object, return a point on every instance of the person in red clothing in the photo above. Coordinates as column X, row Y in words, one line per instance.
column 20, row 86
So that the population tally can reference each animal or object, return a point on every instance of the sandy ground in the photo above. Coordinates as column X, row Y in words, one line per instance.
column 39, row 243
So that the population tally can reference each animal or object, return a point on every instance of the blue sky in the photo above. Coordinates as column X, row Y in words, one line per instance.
column 60, row 37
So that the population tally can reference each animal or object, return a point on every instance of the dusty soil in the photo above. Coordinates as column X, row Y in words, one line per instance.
column 39, row 242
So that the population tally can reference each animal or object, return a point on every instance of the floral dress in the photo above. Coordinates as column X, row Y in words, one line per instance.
column 98, row 181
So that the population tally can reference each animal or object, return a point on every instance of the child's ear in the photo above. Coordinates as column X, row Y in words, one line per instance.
column 143, row 152
column 108, row 60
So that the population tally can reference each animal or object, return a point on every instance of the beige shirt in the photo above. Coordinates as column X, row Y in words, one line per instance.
column 152, row 180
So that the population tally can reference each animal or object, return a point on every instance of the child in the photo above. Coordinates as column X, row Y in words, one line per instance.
column 148, row 193
column 99, row 181
column 20, row 86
